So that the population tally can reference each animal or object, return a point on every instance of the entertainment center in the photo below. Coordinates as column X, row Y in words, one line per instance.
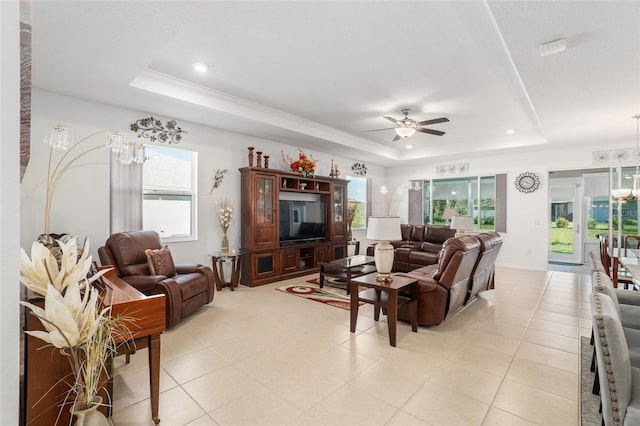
column 290, row 223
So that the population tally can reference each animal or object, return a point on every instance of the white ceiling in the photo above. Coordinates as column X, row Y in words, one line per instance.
column 320, row 74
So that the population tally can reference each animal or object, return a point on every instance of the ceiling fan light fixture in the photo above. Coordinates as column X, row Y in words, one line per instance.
column 405, row 132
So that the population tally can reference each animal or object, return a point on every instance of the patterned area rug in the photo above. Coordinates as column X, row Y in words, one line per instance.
column 590, row 403
column 328, row 295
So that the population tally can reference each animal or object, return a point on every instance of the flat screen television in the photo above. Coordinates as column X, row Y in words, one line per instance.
column 302, row 221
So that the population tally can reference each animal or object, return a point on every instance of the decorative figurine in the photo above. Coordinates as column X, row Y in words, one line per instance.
column 266, row 161
column 259, row 160
column 250, row 148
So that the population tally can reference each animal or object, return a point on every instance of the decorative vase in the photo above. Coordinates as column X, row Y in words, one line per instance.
column 224, row 246
column 90, row 416
column 250, row 148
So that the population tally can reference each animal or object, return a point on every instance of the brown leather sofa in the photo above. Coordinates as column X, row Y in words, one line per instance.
column 484, row 272
column 420, row 246
column 191, row 288
column 443, row 288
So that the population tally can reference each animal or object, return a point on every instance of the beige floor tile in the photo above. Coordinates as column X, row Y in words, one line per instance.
column 535, row 405
column 203, row 421
column 404, row 419
column 260, row 406
column 393, row 385
column 305, row 386
column 439, row 406
column 555, row 328
column 560, row 309
column 549, row 357
column 467, row 381
column 483, row 359
column 305, row 420
column 220, row 387
column 421, row 365
column 132, row 386
column 351, row 406
column 542, row 377
column 340, row 363
column 174, row 344
column 562, row 343
column 140, row 413
column 556, row 317
column 373, row 347
column 503, row 329
column 494, row 342
column 188, row 367
column 497, row 417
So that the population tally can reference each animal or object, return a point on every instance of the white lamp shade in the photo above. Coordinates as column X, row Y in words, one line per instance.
column 405, row 132
column 462, row 223
column 449, row 213
column 384, row 228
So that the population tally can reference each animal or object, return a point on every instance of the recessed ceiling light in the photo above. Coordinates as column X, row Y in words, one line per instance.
column 200, row 66
column 409, row 146
column 511, row 131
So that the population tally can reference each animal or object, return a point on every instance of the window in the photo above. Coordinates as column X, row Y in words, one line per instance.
column 461, row 194
column 169, row 193
column 358, row 205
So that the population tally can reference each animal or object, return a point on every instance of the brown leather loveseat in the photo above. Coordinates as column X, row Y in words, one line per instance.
column 190, row 288
column 420, row 246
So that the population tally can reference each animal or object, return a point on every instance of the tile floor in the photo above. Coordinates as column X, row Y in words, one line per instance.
column 258, row 356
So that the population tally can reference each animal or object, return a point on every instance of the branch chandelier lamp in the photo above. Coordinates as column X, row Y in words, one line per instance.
column 621, row 193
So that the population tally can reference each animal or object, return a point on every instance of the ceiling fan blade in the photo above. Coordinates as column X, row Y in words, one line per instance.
column 377, row 130
column 391, row 119
column 430, row 131
column 434, row 121
column 397, row 138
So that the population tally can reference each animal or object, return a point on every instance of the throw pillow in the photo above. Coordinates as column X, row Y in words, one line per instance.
column 160, row 262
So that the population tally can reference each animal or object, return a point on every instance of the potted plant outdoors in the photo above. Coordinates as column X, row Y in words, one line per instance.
column 74, row 320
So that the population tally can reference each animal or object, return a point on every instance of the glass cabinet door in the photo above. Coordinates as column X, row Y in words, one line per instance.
column 338, row 204
column 265, row 200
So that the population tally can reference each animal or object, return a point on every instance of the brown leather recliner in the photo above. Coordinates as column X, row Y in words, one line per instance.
column 484, row 274
column 191, row 288
column 443, row 287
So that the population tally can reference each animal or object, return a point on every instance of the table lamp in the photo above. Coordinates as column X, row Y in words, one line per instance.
column 461, row 224
column 448, row 214
column 384, row 229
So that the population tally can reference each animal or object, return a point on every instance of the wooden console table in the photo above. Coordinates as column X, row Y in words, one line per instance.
column 45, row 366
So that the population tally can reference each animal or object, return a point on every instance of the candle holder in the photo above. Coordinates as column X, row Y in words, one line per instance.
column 259, row 159
column 266, row 161
column 250, row 148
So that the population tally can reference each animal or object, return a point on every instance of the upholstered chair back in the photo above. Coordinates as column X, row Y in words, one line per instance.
column 615, row 372
column 125, row 250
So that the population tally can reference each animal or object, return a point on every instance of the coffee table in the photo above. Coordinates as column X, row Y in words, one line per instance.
column 347, row 268
column 385, row 295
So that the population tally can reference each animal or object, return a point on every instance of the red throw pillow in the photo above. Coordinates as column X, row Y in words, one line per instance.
column 160, row 262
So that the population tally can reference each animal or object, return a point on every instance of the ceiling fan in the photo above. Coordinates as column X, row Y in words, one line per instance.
column 406, row 126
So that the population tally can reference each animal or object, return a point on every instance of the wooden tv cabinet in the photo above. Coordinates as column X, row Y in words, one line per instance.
column 264, row 258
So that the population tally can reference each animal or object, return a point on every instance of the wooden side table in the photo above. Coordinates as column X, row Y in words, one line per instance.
column 385, row 295
column 217, row 264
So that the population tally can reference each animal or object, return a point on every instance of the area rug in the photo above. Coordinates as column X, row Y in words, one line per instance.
column 590, row 403
column 328, row 295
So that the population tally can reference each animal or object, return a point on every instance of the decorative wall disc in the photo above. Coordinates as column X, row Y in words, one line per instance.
column 527, row 182
column 359, row 169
